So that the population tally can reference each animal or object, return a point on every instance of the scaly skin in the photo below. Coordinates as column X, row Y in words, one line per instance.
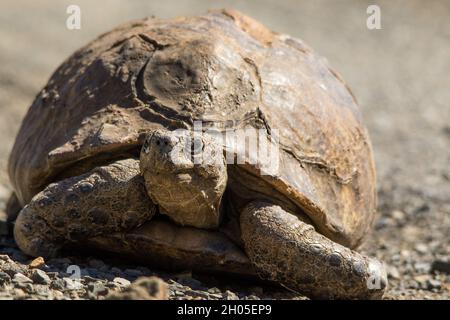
column 289, row 251
column 107, row 199
column 189, row 193
column 113, row 199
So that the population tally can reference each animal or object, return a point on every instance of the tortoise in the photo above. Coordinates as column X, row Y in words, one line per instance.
column 102, row 157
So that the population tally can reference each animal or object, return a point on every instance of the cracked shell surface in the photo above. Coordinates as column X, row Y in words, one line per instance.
column 226, row 70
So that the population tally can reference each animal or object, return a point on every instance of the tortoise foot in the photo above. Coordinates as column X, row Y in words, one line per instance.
column 287, row 250
column 108, row 199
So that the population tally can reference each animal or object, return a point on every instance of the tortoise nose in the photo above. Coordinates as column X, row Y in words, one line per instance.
column 164, row 143
column 161, row 141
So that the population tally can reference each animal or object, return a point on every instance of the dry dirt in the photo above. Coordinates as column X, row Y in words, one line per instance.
column 400, row 75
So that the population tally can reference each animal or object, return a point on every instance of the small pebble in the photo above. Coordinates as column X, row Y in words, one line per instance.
column 40, row 277
column 441, row 265
column 433, row 284
column 4, row 278
column 393, row 272
column 422, row 267
column 398, row 215
column 20, row 278
column 421, row 248
column 214, row 290
column 4, row 257
column 71, row 284
column 228, row 295
column 37, row 263
column 121, row 281
column 97, row 288
column 58, row 284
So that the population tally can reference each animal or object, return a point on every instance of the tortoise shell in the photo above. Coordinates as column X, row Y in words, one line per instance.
column 223, row 69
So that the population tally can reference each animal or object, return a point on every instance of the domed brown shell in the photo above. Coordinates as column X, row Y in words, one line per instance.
column 224, row 69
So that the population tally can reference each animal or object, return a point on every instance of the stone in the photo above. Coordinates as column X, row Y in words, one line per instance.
column 6, row 296
column 441, row 265
column 4, row 278
column 144, row 288
column 421, row 248
column 97, row 288
column 392, row 272
column 422, row 281
column 433, row 284
column 422, row 267
column 71, row 284
column 58, row 284
column 228, row 295
column 57, row 295
column 40, row 277
column 74, row 295
column 121, row 281
column 53, row 275
column 4, row 257
column 398, row 215
column 200, row 294
column 37, row 263
column 27, row 287
column 18, row 293
column 214, row 290
column 20, row 278
column 12, row 268
column 42, row 290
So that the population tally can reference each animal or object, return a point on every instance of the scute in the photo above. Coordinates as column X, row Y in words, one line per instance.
column 226, row 70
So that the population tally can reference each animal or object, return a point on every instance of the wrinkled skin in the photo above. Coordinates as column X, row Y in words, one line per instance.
column 82, row 178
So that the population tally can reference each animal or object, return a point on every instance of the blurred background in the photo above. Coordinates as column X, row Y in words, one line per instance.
column 399, row 74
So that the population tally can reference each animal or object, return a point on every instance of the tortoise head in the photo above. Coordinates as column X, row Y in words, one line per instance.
column 185, row 175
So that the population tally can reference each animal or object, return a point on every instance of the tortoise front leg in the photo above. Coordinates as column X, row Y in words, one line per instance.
column 108, row 199
column 289, row 251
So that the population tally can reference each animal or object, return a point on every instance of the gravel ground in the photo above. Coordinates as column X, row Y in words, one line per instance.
column 400, row 75
column 69, row 277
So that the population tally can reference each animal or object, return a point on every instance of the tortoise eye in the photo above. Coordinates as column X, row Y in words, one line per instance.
column 145, row 146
